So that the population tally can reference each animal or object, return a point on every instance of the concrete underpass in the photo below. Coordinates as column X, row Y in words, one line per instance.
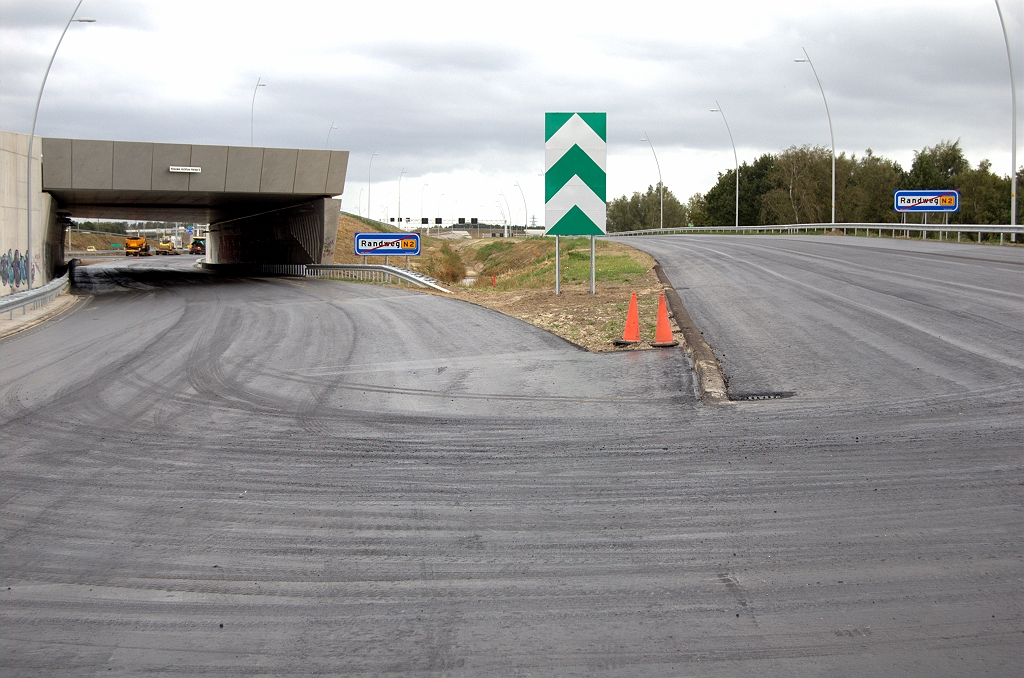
column 264, row 206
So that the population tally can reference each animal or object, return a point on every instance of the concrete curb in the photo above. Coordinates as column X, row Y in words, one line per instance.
column 709, row 371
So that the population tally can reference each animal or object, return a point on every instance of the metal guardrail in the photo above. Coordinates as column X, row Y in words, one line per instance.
column 34, row 298
column 366, row 272
column 374, row 273
column 941, row 231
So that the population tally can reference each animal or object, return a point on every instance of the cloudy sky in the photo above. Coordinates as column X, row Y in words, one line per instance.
column 455, row 93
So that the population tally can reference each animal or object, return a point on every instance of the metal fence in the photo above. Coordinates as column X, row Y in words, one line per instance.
column 374, row 273
column 34, row 298
column 942, row 232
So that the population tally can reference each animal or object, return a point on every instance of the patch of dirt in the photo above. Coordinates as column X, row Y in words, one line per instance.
column 592, row 321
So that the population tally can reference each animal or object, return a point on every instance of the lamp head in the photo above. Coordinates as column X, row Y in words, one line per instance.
column 85, row 21
column 800, row 61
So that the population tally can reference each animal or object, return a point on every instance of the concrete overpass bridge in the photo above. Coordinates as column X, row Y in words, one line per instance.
column 265, row 206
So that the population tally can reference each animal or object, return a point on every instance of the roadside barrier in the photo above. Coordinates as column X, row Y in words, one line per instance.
column 935, row 232
column 663, row 331
column 631, row 334
column 34, row 298
column 364, row 272
column 374, row 273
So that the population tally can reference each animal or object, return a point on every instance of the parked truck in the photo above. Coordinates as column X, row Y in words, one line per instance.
column 136, row 246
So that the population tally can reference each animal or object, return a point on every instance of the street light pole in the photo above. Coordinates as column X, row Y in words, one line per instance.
column 421, row 206
column 400, row 198
column 735, row 159
column 439, row 205
column 502, row 194
column 661, row 185
column 833, row 136
column 1013, row 124
column 369, row 185
column 252, row 109
column 333, row 127
column 31, row 140
column 526, row 211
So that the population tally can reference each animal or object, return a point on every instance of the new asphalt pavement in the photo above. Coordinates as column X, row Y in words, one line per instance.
column 213, row 475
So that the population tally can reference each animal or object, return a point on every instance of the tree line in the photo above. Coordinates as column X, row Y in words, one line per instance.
column 795, row 187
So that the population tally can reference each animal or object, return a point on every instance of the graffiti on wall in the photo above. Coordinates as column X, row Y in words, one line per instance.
column 15, row 270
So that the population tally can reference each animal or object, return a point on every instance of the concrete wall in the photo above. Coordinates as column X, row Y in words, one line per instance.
column 303, row 234
column 46, row 252
column 134, row 166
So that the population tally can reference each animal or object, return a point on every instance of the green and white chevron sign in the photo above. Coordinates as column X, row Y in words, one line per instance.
column 575, row 179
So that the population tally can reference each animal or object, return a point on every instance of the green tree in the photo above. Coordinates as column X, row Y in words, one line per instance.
column 696, row 208
column 867, row 194
column 984, row 196
column 936, row 167
column 802, row 187
column 643, row 210
column 720, row 201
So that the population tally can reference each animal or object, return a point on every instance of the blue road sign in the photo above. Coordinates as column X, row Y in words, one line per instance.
column 928, row 201
column 387, row 244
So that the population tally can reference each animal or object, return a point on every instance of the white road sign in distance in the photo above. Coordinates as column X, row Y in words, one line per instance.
column 387, row 244
column 928, row 201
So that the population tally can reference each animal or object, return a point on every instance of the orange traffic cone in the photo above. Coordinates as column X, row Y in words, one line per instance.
column 663, row 331
column 631, row 335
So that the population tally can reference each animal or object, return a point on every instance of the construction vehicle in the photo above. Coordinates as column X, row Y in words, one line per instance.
column 136, row 246
column 166, row 246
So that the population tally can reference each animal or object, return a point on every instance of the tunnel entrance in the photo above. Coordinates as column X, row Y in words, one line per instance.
column 264, row 206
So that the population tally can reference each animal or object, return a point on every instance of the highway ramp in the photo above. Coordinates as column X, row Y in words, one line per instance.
column 209, row 475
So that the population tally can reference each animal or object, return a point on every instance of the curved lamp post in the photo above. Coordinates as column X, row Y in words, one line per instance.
column 400, row 198
column 833, row 136
column 252, row 109
column 661, row 185
column 735, row 159
column 425, row 184
column 526, row 211
column 333, row 127
column 502, row 194
column 369, row 185
column 1013, row 124
column 32, row 137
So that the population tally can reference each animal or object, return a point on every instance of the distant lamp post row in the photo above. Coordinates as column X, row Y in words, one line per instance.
column 32, row 136
column 735, row 158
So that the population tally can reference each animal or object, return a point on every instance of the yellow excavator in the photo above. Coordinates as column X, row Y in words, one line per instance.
column 136, row 246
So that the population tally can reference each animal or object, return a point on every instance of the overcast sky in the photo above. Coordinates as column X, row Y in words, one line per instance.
column 455, row 93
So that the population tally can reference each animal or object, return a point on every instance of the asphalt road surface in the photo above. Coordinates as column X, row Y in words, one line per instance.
column 430, row 488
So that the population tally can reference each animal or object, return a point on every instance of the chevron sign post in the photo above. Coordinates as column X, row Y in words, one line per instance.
column 575, row 180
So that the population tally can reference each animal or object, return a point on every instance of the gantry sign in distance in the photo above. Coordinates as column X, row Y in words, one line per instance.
column 928, row 201
column 575, row 178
